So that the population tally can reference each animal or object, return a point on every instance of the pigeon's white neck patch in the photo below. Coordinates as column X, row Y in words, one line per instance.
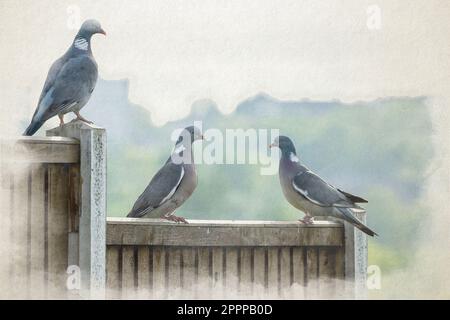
column 81, row 43
column 179, row 148
column 293, row 157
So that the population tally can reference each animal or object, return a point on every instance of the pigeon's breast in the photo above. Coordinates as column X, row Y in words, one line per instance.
column 287, row 172
column 187, row 185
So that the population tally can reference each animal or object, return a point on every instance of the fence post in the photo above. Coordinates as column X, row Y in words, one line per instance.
column 91, row 246
column 356, row 259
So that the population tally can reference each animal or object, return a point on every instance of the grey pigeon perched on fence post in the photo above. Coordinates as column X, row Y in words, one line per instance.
column 70, row 80
column 307, row 192
column 172, row 184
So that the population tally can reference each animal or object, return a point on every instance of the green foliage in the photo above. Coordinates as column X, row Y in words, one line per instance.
column 378, row 150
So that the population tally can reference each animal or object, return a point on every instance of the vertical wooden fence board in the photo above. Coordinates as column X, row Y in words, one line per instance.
column 189, row 281
column 19, row 231
column 340, row 273
column 74, row 214
column 57, row 229
column 112, row 272
column 327, row 258
column 217, row 272
column 37, row 231
column 312, row 267
column 272, row 272
column 246, row 271
column 298, row 272
column 259, row 272
column 128, row 272
column 159, row 290
column 174, row 272
column 143, row 272
column 5, row 229
column 231, row 272
column 204, row 272
column 284, row 272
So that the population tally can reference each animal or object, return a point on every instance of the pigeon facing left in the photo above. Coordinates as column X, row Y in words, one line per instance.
column 307, row 192
column 173, row 184
column 70, row 80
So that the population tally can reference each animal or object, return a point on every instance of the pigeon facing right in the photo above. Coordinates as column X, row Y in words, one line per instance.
column 173, row 184
column 70, row 81
column 307, row 192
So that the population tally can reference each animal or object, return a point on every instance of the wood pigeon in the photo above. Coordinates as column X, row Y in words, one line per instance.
column 70, row 80
column 307, row 192
column 172, row 184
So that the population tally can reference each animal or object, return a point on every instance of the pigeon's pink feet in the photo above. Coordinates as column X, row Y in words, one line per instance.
column 81, row 118
column 61, row 120
column 176, row 219
column 307, row 220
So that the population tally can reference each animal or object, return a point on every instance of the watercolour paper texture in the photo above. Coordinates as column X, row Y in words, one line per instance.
column 362, row 87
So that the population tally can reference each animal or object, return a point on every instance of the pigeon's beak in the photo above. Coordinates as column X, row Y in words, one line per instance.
column 103, row 32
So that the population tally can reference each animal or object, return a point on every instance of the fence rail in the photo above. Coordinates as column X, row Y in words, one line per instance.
column 53, row 196
column 150, row 258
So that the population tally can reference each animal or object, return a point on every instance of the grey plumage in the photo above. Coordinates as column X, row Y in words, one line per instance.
column 309, row 193
column 70, row 80
column 173, row 184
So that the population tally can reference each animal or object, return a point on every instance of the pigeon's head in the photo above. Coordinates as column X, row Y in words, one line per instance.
column 189, row 135
column 284, row 143
column 91, row 27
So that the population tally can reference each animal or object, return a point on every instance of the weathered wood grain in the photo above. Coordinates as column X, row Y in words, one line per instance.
column 7, row 197
column 57, row 228
column 284, row 272
column 173, row 272
column 113, row 272
column 205, row 272
column 19, row 231
column 189, row 269
column 128, row 232
column 217, row 272
column 260, row 273
column 232, row 273
column 41, row 150
column 326, row 272
column 312, row 273
column 37, row 237
column 298, row 272
column 143, row 272
column 246, row 271
column 159, row 273
column 128, row 272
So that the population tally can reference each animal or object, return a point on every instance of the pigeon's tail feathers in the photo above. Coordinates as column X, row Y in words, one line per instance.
column 33, row 127
column 132, row 214
column 348, row 216
column 353, row 198
column 138, row 213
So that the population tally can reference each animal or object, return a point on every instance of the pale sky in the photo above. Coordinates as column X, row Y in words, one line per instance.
column 175, row 52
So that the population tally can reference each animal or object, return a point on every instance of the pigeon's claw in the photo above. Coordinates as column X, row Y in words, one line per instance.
column 81, row 118
column 175, row 218
column 307, row 219
column 61, row 119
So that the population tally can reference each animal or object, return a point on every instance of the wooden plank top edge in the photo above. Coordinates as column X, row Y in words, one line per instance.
column 222, row 223
column 41, row 140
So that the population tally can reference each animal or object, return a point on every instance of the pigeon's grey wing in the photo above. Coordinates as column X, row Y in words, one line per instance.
column 51, row 77
column 317, row 191
column 353, row 198
column 73, row 84
column 160, row 189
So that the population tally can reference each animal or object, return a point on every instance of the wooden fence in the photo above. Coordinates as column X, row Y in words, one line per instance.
column 39, row 179
column 53, row 195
